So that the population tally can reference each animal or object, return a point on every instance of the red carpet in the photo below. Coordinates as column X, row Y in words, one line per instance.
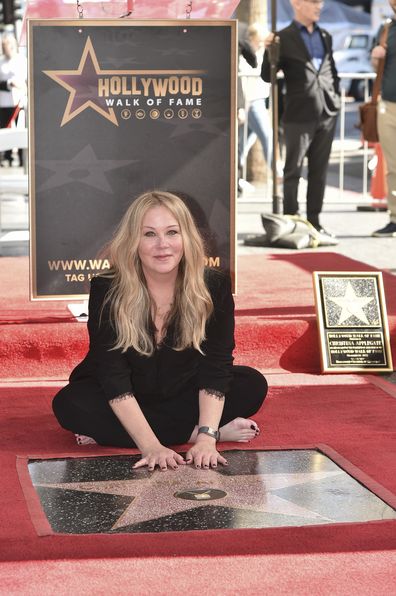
column 357, row 420
column 276, row 331
column 341, row 574
column 276, row 325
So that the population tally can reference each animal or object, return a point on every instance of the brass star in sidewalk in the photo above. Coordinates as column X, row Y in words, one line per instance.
column 82, row 85
column 157, row 496
column 352, row 305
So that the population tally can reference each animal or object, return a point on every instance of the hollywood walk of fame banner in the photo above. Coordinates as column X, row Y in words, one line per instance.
column 352, row 322
column 118, row 108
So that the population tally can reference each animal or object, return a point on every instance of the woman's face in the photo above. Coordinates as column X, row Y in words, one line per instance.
column 9, row 47
column 161, row 244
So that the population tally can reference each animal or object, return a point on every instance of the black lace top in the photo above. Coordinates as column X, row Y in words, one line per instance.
column 167, row 372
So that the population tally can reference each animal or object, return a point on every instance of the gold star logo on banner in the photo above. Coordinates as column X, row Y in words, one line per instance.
column 82, row 85
column 352, row 305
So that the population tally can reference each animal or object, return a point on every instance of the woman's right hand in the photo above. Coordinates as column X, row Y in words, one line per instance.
column 378, row 52
column 269, row 40
column 160, row 456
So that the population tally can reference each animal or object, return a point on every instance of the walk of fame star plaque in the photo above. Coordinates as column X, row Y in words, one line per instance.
column 352, row 322
column 258, row 489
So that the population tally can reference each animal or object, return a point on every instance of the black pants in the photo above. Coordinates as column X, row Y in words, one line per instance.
column 5, row 117
column 81, row 408
column 312, row 139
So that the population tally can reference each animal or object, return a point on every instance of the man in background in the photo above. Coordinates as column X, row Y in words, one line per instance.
column 387, row 119
column 312, row 102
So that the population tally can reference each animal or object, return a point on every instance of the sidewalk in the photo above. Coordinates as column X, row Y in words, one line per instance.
column 340, row 214
column 353, row 228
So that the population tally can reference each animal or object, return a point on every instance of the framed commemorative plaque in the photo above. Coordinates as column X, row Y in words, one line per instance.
column 352, row 322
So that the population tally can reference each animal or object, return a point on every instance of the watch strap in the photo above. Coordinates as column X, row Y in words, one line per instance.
column 211, row 432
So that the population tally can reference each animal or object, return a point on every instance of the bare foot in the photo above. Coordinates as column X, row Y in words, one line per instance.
column 84, row 440
column 241, row 430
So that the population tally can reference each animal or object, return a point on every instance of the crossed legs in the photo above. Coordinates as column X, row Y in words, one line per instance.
column 81, row 408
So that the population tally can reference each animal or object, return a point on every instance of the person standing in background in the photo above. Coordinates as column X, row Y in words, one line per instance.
column 311, row 104
column 13, row 73
column 387, row 119
column 256, row 93
column 247, row 56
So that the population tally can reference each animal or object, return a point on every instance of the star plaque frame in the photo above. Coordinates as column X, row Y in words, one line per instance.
column 352, row 322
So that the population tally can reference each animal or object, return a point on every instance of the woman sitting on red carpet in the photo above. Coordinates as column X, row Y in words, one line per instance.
column 159, row 370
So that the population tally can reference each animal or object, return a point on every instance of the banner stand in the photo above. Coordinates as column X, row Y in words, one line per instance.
column 79, row 310
column 163, row 95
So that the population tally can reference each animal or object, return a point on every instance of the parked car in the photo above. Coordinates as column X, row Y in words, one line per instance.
column 354, row 57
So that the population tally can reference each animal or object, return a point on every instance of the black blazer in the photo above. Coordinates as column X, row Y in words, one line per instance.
column 309, row 92
column 167, row 372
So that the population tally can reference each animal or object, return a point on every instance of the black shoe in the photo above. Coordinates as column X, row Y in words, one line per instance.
column 326, row 233
column 388, row 231
column 321, row 230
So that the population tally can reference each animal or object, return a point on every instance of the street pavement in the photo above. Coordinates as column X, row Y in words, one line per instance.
column 342, row 217
column 348, row 213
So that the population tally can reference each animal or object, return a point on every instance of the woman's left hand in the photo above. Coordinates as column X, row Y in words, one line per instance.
column 204, row 454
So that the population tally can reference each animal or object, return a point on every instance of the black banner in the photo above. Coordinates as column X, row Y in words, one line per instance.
column 116, row 109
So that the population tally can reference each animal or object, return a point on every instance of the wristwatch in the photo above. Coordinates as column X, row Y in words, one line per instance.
column 207, row 430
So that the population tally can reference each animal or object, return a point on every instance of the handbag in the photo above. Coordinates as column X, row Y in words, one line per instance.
column 368, row 110
column 368, row 121
column 293, row 231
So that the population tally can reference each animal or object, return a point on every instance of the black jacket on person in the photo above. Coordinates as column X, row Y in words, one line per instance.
column 309, row 92
column 167, row 372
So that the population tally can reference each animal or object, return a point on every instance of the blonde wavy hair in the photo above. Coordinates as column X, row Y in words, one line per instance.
column 130, row 302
